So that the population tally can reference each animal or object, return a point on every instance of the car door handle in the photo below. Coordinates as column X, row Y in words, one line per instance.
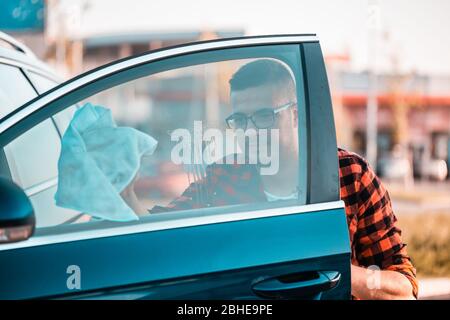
column 304, row 285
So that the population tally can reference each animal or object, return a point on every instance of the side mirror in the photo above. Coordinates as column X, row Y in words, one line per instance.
column 17, row 220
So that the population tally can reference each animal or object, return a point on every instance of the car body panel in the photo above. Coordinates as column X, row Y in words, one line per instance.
column 180, row 253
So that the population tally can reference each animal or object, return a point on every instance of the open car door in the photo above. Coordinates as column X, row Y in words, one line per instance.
column 194, row 248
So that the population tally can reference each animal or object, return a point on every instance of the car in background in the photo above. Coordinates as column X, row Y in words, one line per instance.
column 435, row 169
column 395, row 168
column 22, row 75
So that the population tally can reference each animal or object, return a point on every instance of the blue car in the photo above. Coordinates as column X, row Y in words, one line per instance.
column 125, row 182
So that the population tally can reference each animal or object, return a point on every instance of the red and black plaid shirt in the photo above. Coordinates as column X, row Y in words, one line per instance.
column 375, row 239
column 374, row 236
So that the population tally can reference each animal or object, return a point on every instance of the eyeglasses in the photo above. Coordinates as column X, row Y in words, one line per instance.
column 261, row 119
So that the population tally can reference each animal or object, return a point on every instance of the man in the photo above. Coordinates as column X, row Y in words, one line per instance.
column 263, row 96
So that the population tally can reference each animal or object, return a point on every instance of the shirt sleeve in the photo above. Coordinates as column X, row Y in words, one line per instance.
column 378, row 240
column 189, row 199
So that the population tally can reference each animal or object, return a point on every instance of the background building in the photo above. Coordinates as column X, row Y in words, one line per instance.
column 413, row 115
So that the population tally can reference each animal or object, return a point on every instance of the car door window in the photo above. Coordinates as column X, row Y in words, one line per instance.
column 33, row 156
column 15, row 89
column 32, row 159
column 195, row 137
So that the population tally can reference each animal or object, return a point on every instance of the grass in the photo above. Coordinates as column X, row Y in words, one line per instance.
column 428, row 240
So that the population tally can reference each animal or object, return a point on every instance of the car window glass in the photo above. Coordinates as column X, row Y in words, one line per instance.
column 33, row 156
column 33, row 159
column 192, row 104
column 200, row 137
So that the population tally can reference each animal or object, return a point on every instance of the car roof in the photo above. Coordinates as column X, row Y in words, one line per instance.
column 21, row 56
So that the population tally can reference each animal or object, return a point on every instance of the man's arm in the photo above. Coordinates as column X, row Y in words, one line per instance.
column 183, row 202
column 379, row 246
column 380, row 284
column 129, row 196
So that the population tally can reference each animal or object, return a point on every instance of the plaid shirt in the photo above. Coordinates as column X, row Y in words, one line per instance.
column 374, row 237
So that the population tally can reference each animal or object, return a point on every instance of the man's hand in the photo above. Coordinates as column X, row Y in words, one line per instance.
column 380, row 284
column 129, row 196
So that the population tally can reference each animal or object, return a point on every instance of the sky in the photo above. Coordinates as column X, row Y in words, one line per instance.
column 415, row 33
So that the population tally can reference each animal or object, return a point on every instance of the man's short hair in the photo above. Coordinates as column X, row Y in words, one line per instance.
column 261, row 72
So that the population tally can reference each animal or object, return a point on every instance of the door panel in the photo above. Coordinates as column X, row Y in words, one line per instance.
column 219, row 260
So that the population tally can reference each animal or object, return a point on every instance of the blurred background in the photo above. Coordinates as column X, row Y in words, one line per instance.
column 388, row 64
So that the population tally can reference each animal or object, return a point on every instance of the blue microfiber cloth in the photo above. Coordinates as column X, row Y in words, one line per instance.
column 98, row 160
